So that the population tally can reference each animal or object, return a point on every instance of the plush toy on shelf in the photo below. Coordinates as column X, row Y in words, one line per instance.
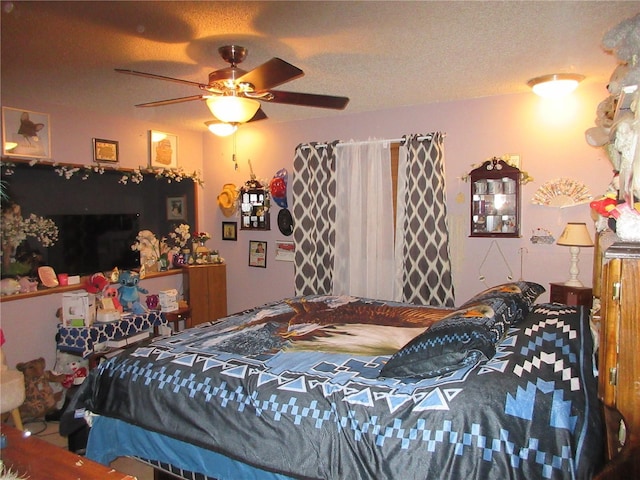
column 129, row 292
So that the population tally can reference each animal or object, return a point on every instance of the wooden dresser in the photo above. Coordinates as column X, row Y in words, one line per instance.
column 619, row 354
column 205, row 289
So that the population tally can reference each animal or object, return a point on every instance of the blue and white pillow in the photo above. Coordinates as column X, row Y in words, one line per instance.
column 462, row 338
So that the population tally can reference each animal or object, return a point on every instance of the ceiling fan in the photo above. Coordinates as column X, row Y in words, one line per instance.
column 232, row 94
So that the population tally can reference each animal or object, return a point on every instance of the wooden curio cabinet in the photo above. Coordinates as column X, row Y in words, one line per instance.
column 495, row 200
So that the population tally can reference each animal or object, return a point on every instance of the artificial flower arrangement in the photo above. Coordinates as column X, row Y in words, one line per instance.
column 15, row 230
column 202, row 236
column 154, row 251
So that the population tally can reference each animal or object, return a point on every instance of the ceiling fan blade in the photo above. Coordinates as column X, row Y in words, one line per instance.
column 309, row 99
column 160, row 77
column 171, row 101
column 260, row 115
column 270, row 74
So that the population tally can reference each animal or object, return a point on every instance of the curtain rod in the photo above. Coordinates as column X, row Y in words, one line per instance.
column 362, row 142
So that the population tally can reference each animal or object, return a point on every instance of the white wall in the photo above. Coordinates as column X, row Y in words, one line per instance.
column 551, row 145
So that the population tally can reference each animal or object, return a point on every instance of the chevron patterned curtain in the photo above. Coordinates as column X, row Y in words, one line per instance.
column 422, row 244
column 314, row 213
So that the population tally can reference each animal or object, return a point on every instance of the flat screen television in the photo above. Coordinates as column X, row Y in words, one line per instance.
column 93, row 243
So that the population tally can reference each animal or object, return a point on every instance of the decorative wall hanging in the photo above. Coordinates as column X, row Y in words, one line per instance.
column 542, row 235
column 177, row 208
column 255, row 202
column 285, row 251
column 25, row 134
column 562, row 193
column 105, row 150
column 257, row 254
column 163, row 150
column 230, row 231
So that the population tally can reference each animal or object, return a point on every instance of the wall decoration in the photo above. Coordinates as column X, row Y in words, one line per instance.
column 163, row 150
column 562, row 192
column 25, row 134
column 230, row 231
column 285, row 251
column 177, row 208
column 257, row 254
column 105, row 150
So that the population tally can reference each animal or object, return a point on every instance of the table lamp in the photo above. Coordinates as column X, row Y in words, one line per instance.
column 575, row 235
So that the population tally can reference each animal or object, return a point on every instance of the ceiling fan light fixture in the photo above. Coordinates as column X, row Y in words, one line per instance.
column 555, row 85
column 233, row 109
column 221, row 129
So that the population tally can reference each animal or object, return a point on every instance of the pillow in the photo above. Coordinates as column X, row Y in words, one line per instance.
column 520, row 295
column 462, row 338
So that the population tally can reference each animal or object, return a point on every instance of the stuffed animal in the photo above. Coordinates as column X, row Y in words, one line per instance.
column 9, row 286
column 40, row 398
column 129, row 291
column 153, row 302
column 112, row 293
column 28, row 285
column 96, row 283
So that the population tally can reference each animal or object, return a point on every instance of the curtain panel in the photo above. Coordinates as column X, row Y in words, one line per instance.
column 422, row 237
column 417, row 268
column 364, row 253
column 314, row 213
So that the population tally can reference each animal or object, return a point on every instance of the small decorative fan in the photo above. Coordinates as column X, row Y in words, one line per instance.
column 562, row 192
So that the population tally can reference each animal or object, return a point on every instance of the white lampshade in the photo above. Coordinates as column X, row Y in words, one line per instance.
column 555, row 85
column 232, row 109
column 221, row 129
column 575, row 235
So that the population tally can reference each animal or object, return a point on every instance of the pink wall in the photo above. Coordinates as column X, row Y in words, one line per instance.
column 549, row 139
column 551, row 145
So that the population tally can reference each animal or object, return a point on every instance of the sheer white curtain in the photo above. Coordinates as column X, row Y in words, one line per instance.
column 364, row 239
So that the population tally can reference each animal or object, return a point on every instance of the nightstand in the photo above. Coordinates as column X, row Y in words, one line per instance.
column 561, row 293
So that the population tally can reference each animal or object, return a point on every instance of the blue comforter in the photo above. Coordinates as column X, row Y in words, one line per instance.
column 274, row 388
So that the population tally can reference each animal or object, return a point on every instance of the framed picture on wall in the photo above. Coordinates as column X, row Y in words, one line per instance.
column 257, row 254
column 163, row 150
column 230, row 231
column 105, row 150
column 25, row 134
column 177, row 208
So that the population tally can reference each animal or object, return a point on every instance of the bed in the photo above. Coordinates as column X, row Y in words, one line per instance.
column 334, row 387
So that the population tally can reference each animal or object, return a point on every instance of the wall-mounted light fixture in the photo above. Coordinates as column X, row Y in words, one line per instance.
column 233, row 109
column 555, row 85
column 221, row 129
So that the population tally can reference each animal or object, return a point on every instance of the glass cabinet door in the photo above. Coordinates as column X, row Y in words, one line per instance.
column 495, row 200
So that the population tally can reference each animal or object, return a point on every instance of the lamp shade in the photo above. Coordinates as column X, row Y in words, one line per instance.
column 575, row 235
column 233, row 109
column 555, row 85
column 221, row 129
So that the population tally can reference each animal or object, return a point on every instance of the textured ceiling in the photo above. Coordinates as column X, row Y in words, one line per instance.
column 380, row 54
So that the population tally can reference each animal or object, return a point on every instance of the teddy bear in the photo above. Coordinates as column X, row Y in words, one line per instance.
column 40, row 398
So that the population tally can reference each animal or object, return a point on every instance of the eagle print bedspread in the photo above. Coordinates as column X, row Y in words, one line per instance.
column 280, row 388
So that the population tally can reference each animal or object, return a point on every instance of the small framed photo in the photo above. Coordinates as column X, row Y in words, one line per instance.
column 163, row 150
column 105, row 150
column 230, row 231
column 25, row 134
column 257, row 254
column 177, row 208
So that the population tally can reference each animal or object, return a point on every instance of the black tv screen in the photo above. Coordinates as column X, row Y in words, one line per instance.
column 94, row 243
